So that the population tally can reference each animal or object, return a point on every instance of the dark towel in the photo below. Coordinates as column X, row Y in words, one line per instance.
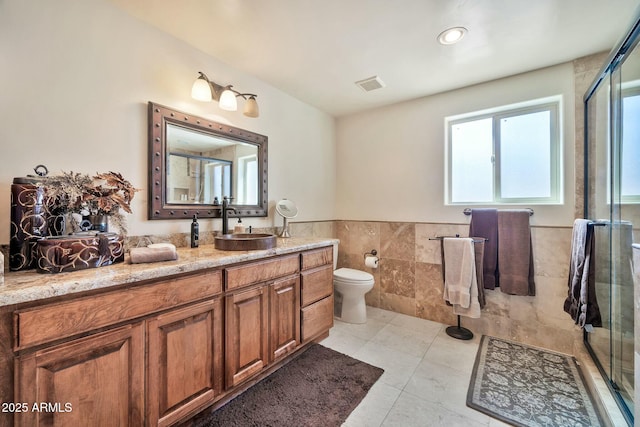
column 484, row 223
column 515, row 252
column 581, row 302
column 479, row 254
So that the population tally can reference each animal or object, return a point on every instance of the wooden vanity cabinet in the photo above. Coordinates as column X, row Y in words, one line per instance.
column 159, row 352
column 261, row 317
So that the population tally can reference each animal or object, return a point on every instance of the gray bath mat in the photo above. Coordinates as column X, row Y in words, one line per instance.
column 529, row 386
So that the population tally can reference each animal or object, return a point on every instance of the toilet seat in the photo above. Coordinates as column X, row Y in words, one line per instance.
column 352, row 276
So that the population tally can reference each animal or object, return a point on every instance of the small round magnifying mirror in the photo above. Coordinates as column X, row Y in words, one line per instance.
column 287, row 209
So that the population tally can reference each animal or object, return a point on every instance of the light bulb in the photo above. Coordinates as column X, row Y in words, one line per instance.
column 251, row 107
column 452, row 35
column 228, row 100
column 201, row 90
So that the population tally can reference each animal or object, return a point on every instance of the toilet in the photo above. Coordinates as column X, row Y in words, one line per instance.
column 349, row 287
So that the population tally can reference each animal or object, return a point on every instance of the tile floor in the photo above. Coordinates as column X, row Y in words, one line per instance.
column 426, row 372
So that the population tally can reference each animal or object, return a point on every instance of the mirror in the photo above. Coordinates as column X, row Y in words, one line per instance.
column 194, row 163
column 287, row 209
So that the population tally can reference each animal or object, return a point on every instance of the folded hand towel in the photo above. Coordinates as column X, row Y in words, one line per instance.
column 515, row 254
column 461, row 286
column 144, row 255
column 484, row 223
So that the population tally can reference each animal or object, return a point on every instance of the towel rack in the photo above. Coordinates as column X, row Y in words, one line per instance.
column 467, row 211
column 457, row 331
column 457, row 236
column 597, row 224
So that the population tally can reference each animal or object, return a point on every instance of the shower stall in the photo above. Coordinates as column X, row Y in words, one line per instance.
column 612, row 202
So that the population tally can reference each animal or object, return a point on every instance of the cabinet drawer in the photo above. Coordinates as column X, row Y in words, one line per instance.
column 316, row 284
column 50, row 322
column 317, row 318
column 316, row 258
column 261, row 271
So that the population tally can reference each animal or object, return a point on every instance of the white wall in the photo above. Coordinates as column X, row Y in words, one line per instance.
column 75, row 79
column 391, row 160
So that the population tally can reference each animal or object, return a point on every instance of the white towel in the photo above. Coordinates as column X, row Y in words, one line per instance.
column 156, row 253
column 460, row 284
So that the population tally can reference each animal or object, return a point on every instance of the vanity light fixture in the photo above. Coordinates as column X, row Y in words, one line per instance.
column 207, row 90
column 452, row 35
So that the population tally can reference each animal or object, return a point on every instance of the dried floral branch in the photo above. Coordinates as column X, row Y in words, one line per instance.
column 102, row 194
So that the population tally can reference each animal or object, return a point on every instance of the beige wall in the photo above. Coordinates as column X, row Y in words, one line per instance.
column 391, row 161
column 75, row 79
column 409, row 280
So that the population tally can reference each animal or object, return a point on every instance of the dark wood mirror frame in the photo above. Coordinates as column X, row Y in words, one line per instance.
column 159, row 117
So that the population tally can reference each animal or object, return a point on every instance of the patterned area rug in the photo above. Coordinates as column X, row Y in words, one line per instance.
column 528, row 386
column 318, row 388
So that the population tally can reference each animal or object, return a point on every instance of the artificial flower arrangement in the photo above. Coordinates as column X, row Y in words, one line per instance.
column 83, row 195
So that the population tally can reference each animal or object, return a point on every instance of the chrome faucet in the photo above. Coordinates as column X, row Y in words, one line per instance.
column 225, row 213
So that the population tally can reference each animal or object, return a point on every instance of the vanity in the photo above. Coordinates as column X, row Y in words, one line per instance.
column 155, row 344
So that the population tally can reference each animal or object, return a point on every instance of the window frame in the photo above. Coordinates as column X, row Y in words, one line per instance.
column 554, row 106
column 243, row 184
column 629, row 90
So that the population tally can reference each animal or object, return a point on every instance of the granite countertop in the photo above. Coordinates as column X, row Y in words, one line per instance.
column 26, row 286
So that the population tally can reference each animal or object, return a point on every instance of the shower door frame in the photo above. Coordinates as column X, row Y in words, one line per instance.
column 610, row 74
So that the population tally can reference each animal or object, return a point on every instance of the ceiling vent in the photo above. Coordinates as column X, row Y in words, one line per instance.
column 372, row 83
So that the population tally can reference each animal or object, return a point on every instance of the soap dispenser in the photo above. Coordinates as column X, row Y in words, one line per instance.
column 239, row 228
column 195, row 232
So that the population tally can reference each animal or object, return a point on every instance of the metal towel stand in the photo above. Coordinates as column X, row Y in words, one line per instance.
column 457, row 331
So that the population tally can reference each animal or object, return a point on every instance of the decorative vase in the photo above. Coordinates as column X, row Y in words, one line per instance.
column 56, row 225
column 28, row 222
column 95, row 222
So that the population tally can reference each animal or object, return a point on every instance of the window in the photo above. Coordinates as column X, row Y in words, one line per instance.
column 248, row 180
column 630, row 158
column 506, row 156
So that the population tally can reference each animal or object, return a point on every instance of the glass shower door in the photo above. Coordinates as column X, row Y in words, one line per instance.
column 612, row 186
column 625, row 83
column 598, row 183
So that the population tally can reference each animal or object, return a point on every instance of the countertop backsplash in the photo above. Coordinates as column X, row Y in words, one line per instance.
column 180, row 240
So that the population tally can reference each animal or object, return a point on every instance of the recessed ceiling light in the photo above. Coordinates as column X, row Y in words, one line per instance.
column 452, row 35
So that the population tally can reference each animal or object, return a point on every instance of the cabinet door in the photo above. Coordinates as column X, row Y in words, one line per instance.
column 184, row 368
column 92, row 381
column 284, row 302
column 247, row 345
